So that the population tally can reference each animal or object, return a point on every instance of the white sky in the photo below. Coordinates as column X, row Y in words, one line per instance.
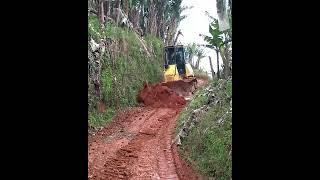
column 198, row 23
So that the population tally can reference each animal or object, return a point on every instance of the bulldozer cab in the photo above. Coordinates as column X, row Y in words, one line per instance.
column 175, row 55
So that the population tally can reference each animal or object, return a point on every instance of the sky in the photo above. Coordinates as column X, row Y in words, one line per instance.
column 197, row 23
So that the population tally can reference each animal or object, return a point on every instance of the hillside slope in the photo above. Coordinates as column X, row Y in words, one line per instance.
column 204, row 130
column 114, row 81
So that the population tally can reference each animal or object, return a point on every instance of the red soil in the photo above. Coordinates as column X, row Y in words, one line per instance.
column 138, row 143
column 160, row 96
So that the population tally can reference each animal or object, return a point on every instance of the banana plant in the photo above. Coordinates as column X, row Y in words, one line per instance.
column 215, row 40
column 219, row 41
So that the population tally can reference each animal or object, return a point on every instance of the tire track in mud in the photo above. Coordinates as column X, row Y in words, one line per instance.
column 140, row 149
column 107, row 142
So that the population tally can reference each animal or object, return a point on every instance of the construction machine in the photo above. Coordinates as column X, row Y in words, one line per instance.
column 178, row 73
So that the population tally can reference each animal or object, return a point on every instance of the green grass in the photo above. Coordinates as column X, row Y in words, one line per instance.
column 99, row 119
column 208, row 145
column 124, row 73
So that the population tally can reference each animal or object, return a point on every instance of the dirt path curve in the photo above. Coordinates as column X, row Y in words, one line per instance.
column 138, row 145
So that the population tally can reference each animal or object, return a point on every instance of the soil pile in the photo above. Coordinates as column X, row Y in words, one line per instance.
column 157, row 95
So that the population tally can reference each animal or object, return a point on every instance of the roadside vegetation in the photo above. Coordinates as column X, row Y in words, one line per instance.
column 205, row 130
column 123, row 70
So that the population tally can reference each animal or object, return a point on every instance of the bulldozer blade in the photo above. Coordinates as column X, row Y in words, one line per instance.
column 183, row 87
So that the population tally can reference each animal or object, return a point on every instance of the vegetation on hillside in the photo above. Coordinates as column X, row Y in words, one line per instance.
column 124, row 68
column 125, row 46
column 205, row 129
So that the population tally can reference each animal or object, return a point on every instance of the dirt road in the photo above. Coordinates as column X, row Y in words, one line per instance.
column 138, row 145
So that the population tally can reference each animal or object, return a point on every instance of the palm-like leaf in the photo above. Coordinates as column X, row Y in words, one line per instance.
column 216, row 39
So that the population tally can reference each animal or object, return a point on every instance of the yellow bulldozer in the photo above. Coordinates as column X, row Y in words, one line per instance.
column 178, row 73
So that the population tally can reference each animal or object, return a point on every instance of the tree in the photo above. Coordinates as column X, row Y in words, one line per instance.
column 224, row 10
column 215, row 40
column 101, row 12
column 225, row 46
column 200, row 55
column 156, row 17
column 192, row 51
column 220, row 41
column 211, row 66
column 218, row 69
column 173, row 16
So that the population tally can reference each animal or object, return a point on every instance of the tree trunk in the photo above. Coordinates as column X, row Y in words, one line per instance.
column 141, row 19
column 108, row 8
column 160, row 20
column 218, row 71
column 117, row 4
column 151, row 21
column 211, row 66
column 126, row 7
column 225, row 60
column 134, row 17
column 171, row 32
column 101, row 13
column 176, row 39
column 198, row 63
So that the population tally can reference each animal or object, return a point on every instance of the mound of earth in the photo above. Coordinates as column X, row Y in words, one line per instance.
column 158, row 95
